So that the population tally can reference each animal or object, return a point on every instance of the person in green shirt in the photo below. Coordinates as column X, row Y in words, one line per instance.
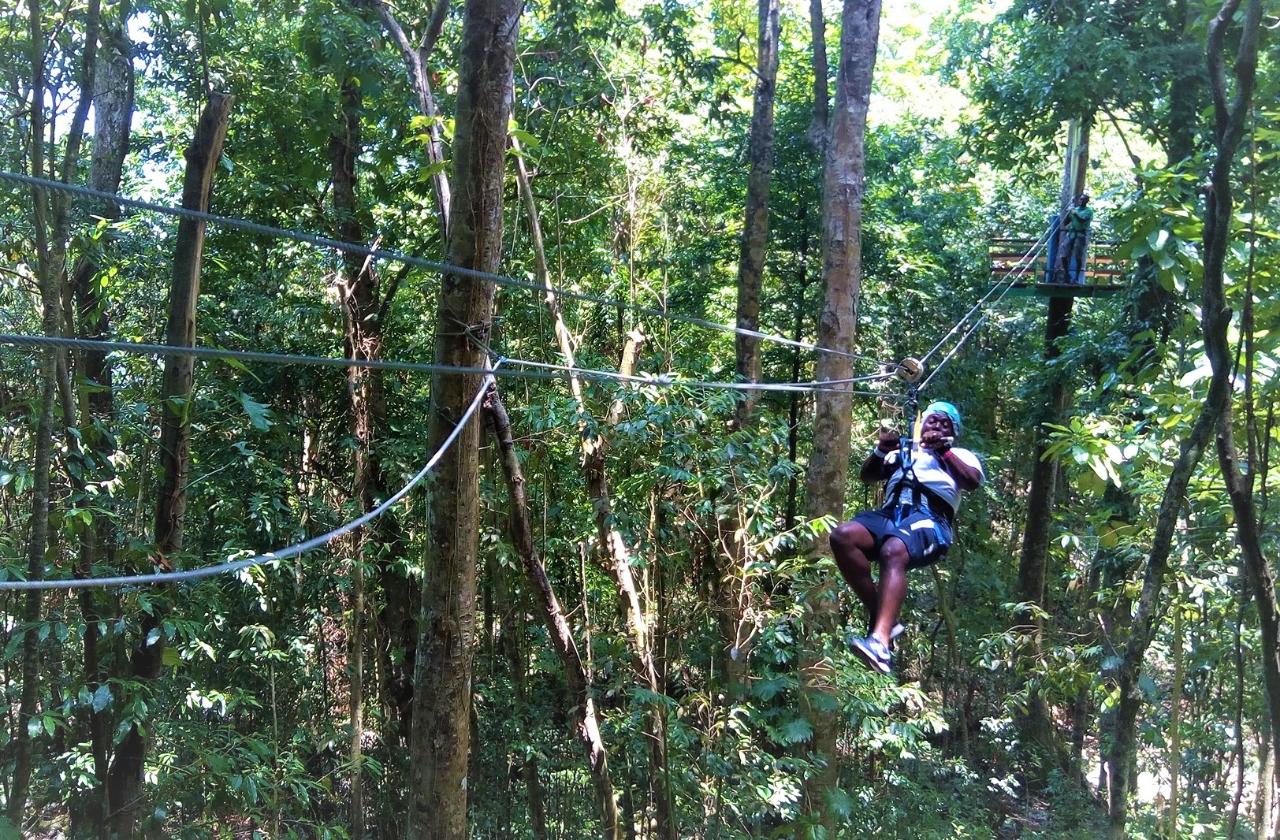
column 1075, row 235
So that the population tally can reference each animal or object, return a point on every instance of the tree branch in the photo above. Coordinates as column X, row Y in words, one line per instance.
column 434, row 28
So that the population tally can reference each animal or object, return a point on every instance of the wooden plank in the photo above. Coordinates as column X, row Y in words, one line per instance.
column 1062, row 290
column 1089, row 272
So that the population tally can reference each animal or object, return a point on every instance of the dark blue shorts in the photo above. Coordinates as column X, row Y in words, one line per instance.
column 927, row 537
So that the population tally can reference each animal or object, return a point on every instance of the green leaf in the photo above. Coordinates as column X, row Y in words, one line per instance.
column 767, row 689
column 171, row 658
column 795, row 731
column 8, row 831
column 102, row 697
column 259, row 414
column 840, row 803
column 242, row 367
column 33, row 727
column 526, row 139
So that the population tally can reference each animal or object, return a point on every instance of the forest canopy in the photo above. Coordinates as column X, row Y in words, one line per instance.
column 435, row 419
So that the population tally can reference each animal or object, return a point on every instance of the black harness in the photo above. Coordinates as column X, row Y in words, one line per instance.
column 922, row 498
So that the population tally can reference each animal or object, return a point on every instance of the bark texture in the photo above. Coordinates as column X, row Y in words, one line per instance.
column 442, row 674
column 755, row 232
column 113, row 111
column 125, row 778
column 828, row 474
column 842, row 188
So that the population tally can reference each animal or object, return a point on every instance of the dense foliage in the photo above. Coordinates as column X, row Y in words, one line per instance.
column 633, row 121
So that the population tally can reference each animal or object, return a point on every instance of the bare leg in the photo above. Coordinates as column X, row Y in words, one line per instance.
column 850, row 543
column 893, row 587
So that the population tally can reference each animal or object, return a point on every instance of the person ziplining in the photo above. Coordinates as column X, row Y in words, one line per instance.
column 911, row 530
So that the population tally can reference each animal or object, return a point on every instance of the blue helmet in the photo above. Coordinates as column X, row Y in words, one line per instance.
column 943, row 407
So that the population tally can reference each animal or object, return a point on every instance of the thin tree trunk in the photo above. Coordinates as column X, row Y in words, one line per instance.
column 1036, row 725
column 511, row 632
column 442, row 674
column 821, row 98
column 613, row 544
column 1175, row 719
column 793, row 399
column 1214, row 320
column 125, row 777
column 39, row 535
column 113, row 110
column 733, row 589
column 357, row 292
column 583, row 712
column 363, row 310
column 828, row 475
column 755, row 232
column 415, row 61
column 1237, row 753
column 1266, row 783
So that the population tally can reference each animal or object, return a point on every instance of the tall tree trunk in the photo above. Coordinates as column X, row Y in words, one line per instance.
column 734, row 589
column 113, row 111
column 1036, row 724
column 1216, row 318
column 362, row 337
column 755, row 232
column 39, row 535
column 1214, row 321
column 821, row 98
column 828, row 475
column 125, row 778
column 583, row 711
column 442, row 673
column 613, row 545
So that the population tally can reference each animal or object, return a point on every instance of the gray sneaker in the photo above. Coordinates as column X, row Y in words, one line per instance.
column 874, row 652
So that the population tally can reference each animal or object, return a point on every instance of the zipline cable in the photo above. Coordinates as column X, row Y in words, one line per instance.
column 528, row 369
column 824, row 385
column 283, row 553
column 1017, row 271
column 409, row 259
column 1007, row 287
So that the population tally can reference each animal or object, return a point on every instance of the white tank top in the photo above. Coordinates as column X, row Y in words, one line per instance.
column 931, row 473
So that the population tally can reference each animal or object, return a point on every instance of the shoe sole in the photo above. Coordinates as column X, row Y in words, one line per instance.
column 870, row 659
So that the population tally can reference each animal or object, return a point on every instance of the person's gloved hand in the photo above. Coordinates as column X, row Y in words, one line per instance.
column 889, row 440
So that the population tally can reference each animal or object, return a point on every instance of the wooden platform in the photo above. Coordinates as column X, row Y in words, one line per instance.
column 1063, row 290
column 1103, row 270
